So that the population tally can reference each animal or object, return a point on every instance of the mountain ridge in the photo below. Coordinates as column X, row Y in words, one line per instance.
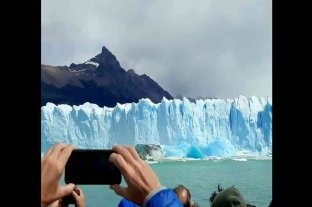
column 100, row 80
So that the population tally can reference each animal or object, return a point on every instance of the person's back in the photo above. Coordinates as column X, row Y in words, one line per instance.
column 163, row 198
column 125, row 203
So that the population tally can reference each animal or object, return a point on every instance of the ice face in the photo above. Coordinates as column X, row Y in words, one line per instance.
column 211, row 127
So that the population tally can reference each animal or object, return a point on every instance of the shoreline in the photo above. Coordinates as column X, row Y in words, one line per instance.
column 216, row 159
column 238, row 158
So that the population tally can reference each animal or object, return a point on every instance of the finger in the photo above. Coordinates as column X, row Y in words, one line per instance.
column 124, row 153
column 77, row 191
column 60, row 153
column 48, row 153
column 120, row 190
column 66, row 190
column 56, row 149
column 65, row 148
column 133, row 152
column 65, row 154
column 119, row 162
column 76, row 196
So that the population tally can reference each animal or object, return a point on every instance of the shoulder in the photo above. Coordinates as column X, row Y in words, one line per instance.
column 125, row 203
column 164, row 198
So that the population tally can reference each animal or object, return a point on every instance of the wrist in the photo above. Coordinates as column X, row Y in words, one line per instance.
column 152, row 193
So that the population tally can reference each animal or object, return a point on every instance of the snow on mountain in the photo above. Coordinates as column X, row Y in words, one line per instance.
column 92, row 63
column 100, row 80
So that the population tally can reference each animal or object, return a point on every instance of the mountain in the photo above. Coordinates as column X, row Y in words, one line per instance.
column 100, row 80
column 211, row 127
column 180, row 97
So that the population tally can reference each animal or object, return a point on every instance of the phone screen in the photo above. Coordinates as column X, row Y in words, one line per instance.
column 91, row 167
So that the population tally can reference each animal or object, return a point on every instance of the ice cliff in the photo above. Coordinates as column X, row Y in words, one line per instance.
column 211, row 127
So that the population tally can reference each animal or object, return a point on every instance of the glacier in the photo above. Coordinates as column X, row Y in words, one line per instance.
column 210, row 127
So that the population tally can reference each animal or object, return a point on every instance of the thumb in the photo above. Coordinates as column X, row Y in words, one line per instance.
column 66, row 190
column 119, row 190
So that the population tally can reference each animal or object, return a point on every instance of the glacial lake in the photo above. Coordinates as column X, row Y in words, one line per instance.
column 252, row 177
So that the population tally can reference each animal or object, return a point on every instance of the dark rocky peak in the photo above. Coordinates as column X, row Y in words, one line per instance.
column 131, row 72
column 106, row 59
column 100, row 80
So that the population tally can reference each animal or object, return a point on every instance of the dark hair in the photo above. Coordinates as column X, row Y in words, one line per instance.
column 214, row 194
column 180, row 188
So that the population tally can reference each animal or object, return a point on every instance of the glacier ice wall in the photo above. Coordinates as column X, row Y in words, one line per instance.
column 185, row 129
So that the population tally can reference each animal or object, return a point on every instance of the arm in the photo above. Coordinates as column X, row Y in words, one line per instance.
column 143, row 185
column 52, row 167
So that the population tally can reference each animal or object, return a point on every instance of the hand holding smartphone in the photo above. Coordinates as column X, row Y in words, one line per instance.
column 77, row 198
column 68, row 200
column 91, row 167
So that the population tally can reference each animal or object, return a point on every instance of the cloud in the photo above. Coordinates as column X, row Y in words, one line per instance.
column 197, row 48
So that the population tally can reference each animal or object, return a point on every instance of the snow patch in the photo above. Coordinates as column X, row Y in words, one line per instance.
column 92, row 63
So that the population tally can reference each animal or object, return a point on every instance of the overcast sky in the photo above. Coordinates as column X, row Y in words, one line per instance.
column 208, row 48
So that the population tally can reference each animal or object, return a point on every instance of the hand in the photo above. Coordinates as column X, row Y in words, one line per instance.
column 52, row 167
column 55, row 204
column 139, row 176
column 79, row 197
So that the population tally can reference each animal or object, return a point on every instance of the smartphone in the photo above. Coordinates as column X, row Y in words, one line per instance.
column 91, row 167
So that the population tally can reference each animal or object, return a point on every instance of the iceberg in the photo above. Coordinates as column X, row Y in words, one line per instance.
column 210, row 127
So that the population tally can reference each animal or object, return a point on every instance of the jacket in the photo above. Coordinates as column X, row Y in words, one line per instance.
column 164, row 198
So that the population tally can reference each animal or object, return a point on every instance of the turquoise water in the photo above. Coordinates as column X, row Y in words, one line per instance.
column 253, row 178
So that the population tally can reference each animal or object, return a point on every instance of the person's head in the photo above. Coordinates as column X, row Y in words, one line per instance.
column 214, row 194
column 230, row 197
column 183, row 194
